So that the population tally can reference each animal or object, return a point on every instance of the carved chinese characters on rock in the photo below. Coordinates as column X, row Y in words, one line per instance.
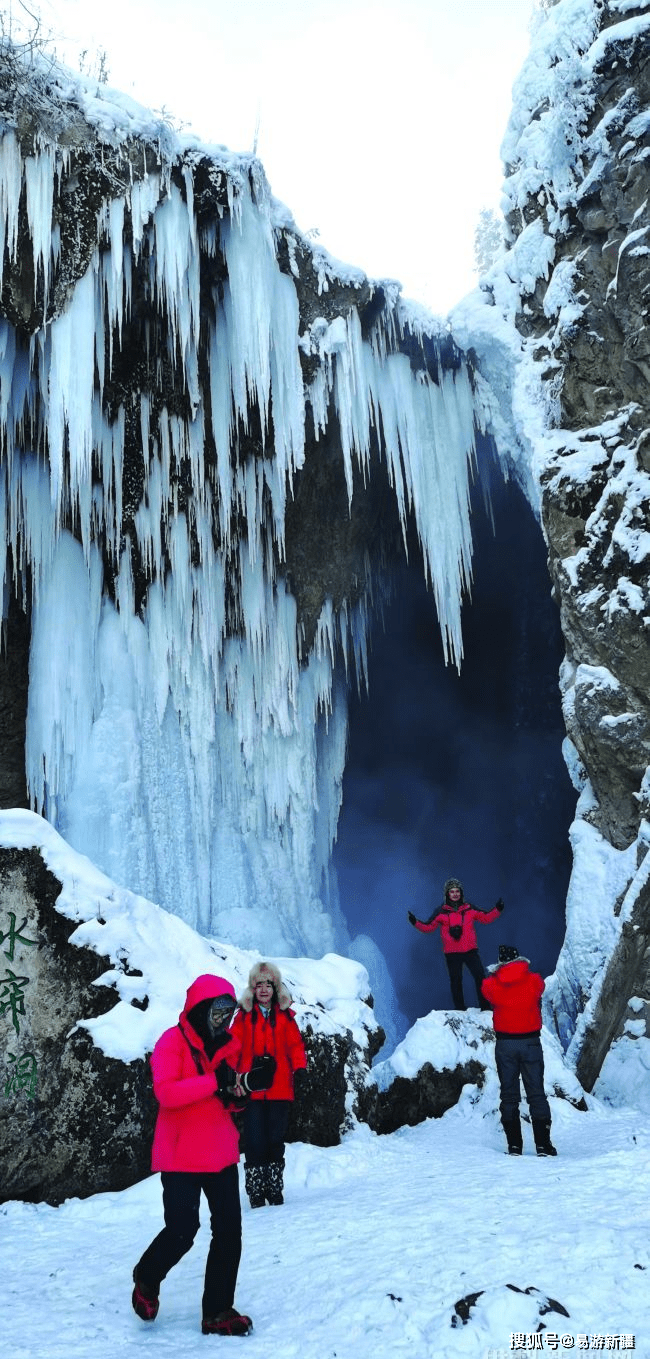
column 15, row 942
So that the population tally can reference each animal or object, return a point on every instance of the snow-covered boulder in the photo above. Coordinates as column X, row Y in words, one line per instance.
column 90, row 976
column 443, row 1052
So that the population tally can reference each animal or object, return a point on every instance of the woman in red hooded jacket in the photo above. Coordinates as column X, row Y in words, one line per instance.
column 196, row 1148
column 515, row 993
column 266, row 1027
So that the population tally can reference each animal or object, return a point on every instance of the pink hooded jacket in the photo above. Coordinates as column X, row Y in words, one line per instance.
column 194, row 1131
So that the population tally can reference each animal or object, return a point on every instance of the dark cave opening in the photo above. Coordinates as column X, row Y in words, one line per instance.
column 461, row 775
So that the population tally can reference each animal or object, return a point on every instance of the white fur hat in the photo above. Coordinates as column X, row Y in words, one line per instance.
column 264, row 970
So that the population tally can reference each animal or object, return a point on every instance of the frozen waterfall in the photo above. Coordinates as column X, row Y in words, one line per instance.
column 178, row 731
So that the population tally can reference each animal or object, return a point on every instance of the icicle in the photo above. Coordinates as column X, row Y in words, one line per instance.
column 177, row 278
column 144, row 197
column 62, row 674
column 221, row 407
column 253, row 601
column 124, row 590
column 8, row 401
column 70, row 381
column 11, row 179
column 39, row 186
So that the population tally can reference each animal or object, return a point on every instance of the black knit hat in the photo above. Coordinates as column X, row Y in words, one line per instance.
column 508, row 953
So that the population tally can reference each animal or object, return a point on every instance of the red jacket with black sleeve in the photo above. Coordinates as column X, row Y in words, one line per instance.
column 464, row 916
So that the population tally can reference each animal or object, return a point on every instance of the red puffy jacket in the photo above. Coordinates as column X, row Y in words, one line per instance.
column 194, row 1131
column 463, row 915
column 279, row 1035
column 514, row 994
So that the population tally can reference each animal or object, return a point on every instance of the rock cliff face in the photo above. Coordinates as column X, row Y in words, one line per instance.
column 602, row 519
column 71, row 1121
column 579, row 185
column 600, row 368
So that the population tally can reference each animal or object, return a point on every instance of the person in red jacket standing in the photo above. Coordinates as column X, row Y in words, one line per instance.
column 514, row 992
column 459, row 944
column 265, row 1025
column 196, row 1148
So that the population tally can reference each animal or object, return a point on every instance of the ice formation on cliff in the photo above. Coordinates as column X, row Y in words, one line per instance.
column 198, row 762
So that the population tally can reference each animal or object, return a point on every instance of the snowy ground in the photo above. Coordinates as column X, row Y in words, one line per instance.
column 377, row 1240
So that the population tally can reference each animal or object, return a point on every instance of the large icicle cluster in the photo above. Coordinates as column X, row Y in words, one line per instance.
column 153, row 423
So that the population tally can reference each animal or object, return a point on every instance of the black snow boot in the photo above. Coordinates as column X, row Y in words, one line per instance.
column 254, row 1181
column 542, row 1135
column 274, row 1181
column 230, row 1322
column 512, row 1130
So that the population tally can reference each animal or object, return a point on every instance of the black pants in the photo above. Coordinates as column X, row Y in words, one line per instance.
column 265, row 1125
column 472, row 961
column 523, row 1057
column 181, row 1196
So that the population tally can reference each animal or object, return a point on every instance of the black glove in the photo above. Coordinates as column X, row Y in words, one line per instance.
column 226, row 1089
column 299, row 1081
column 260, row 1077
column 455, row 931
column 411, row 918
column 226, row 1078
column 500, row 905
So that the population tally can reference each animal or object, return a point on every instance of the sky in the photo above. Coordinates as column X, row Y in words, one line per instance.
column 379, row 124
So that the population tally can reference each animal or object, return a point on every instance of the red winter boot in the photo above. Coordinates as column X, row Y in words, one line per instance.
column 144, row 1299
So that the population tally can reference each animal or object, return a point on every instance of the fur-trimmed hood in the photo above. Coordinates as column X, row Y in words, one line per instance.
column 515, row 973
column 263, row 969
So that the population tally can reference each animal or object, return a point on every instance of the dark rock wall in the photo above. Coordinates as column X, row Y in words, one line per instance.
column 599, row 371
column 72, row 1121
column 409, row 1101
column 596, row 495
column 14, row 681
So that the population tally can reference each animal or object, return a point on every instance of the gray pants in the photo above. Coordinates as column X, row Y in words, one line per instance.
column 523, row 1057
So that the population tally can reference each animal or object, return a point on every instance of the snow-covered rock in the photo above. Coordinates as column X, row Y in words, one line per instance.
column 91, row 976
column 445, row 1052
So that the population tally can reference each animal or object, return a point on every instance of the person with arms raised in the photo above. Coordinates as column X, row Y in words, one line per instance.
column 456, row 919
